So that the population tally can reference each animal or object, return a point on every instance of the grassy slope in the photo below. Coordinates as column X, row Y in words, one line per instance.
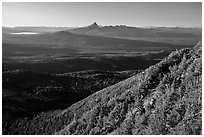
column 164, row 99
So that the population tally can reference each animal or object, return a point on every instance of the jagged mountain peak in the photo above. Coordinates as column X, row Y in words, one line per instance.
column 94, row 25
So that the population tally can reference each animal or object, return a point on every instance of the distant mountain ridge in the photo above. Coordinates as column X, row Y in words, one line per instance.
column 165, row 99
column 123, row 30
column 148, row 34
column 82, row 43
column 18, row 29
column 170, row 35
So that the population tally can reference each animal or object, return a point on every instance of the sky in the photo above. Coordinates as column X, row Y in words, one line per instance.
column 69, row 14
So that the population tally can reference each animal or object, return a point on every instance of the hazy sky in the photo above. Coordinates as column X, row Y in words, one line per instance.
column 82, row 14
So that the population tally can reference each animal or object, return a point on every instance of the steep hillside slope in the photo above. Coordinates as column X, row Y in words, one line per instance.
column 163, row 99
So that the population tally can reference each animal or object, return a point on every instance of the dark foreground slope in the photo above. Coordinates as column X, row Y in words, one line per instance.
column 26, row 93
column 164, row 99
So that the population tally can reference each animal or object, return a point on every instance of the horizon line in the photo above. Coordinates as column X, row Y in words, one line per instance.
column 179, row 26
